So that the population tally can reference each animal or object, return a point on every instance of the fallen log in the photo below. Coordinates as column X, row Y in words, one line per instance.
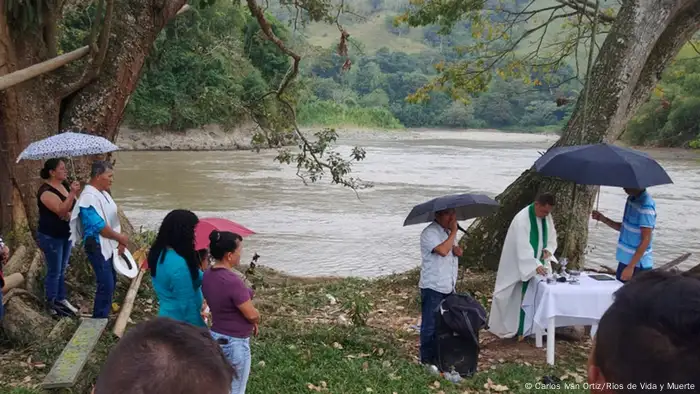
column 12, row 281
column 675, row 262
column 22, row 323
column 17, row 261
column 36, row 268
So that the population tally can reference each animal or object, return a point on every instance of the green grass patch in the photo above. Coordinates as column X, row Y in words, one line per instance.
column 294, row 358
column 304, row 347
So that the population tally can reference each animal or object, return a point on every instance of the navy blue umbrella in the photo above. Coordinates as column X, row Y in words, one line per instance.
column 468, row 206
column 604, row 165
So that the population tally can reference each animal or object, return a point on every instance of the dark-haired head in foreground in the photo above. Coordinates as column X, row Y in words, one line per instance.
column 650, row 335
column 177, row 233
column 165, row 356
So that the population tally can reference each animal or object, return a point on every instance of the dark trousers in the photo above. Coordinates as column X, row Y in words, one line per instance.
column 57, row 253
column 621, row 267
column 430, row 301
column 105, row 278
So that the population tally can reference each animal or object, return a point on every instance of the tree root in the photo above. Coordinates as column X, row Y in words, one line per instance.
column 23, row 324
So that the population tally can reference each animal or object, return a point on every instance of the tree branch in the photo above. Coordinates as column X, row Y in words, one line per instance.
column 98, row 51
column 104, row 38
column 337, row 167
column 695, row 47
column 584, row 7
column 51, row 14
column 680, row 31
column 184, row 8
column 35, row 70
column 267, row 30
column 95, row 29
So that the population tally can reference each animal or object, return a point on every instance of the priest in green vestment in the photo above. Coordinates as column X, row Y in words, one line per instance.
column 530, row 243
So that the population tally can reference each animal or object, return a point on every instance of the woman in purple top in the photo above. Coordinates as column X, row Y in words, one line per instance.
column 230, row 302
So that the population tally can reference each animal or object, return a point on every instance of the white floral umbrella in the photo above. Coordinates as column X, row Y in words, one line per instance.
column 68, row 144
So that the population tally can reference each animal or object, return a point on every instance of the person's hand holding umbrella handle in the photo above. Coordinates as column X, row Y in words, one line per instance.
column 74, row 188
column 608, row 222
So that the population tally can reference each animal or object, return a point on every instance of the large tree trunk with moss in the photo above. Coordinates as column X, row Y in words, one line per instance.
column 645, row 37
column 90, row 94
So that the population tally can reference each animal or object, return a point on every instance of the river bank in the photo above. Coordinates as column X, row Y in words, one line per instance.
column 207, row 138
column 214, row 138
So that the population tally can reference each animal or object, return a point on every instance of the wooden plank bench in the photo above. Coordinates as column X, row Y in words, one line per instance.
column 67, row 367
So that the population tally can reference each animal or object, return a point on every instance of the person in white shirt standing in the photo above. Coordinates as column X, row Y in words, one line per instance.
column 438, row 276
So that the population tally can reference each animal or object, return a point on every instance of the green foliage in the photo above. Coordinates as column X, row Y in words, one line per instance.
column 329, row 113
column 315, row 158
column 671, row 117
column 264, row 54
column 198, row 73
column 386, row 79
column 528, row 40
column 74, row 30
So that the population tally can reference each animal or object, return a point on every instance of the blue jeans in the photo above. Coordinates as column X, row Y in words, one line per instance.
column 621, row 267
column 105, row 278
column 237, row 352
column 57, row 253
column 430, row 300
column 2, row 309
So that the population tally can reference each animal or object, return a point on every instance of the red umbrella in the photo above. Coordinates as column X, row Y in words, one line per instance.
column 207, row 225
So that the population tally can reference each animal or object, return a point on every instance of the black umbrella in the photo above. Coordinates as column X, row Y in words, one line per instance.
column 468, row 206
column 604, row 165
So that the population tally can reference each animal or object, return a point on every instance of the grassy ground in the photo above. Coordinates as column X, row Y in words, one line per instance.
column 337, row 336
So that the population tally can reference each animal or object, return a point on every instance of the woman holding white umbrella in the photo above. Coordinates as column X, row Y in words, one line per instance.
column 55, row 203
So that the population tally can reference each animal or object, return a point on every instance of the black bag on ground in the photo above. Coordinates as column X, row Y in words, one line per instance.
column 460, row 317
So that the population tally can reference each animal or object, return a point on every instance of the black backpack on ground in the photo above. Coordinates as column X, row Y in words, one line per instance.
column 460, row 317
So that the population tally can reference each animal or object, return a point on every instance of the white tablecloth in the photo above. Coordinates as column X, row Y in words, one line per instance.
column 582, row 304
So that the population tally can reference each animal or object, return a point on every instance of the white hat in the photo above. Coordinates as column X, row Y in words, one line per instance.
column 126, row 265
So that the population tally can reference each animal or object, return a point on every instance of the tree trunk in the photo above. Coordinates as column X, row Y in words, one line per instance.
column 64, row 98
column 644, row 39
column 38, row 108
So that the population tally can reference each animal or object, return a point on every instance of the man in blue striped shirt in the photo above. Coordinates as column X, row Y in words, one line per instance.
column 634, row 251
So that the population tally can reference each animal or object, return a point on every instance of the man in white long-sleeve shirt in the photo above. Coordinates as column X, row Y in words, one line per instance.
column 438, row 275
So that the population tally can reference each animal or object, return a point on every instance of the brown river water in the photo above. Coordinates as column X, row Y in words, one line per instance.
column 323, row 229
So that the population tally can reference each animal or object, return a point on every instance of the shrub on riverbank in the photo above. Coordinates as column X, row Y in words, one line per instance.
column 337, row 335
column 331, row 114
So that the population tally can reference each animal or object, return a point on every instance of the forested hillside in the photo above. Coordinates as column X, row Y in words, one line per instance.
column 211, row 66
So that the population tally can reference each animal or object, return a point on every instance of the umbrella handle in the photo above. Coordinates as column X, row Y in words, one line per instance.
column 72, row 169
column 461, row 229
